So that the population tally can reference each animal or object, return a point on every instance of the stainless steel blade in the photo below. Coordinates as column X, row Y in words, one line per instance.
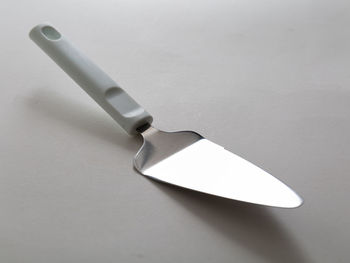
column 188, row 160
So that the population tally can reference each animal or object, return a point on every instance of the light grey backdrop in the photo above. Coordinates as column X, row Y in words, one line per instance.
column 269, row 80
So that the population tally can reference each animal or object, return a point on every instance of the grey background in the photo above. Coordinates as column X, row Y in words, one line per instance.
column 269, row 80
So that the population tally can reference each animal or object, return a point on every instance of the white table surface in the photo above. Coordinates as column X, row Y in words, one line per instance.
column 269, row 80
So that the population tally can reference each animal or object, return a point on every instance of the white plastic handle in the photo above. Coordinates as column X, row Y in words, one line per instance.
column 120, row 106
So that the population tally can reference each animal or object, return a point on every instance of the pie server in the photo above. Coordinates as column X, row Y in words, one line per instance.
column 183, row 158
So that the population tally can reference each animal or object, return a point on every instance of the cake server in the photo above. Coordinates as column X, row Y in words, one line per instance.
column 183, row 158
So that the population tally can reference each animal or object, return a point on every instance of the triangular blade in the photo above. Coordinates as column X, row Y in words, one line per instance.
column 207, row 167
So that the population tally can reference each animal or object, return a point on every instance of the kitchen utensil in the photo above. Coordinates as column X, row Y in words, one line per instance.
column 183, row 158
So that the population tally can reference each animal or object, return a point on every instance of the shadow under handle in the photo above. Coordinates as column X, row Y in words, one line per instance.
column 105, row 91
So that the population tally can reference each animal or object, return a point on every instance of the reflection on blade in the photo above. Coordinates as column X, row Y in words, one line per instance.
column 207, row 167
